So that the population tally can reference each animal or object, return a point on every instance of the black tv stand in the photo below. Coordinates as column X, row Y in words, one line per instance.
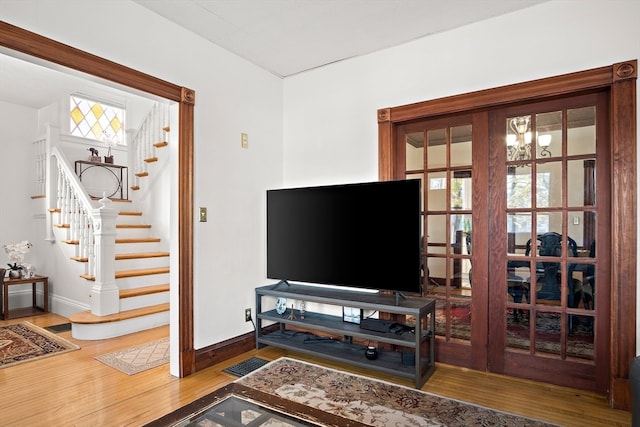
column 281, row 282
column 399, row 295
column 335, row 345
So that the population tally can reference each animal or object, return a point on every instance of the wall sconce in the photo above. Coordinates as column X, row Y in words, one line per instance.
column 519, row 141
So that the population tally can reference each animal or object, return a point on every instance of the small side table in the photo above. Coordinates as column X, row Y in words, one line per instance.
column 24, row 311
column 119, row 173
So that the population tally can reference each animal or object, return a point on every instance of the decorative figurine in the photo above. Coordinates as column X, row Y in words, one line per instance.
column 94, row 155
column 292, row 315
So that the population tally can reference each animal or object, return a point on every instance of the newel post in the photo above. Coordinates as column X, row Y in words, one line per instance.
column 105, row 297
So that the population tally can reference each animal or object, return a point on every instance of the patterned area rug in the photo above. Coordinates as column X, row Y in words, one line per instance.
column 369, row 401
column 139, row 358
column 315, row 395
column 24, row 342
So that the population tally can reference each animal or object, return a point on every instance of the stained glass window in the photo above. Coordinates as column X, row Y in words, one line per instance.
column 96, row 120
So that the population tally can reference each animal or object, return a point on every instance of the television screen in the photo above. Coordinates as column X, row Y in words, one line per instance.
column 358, row 235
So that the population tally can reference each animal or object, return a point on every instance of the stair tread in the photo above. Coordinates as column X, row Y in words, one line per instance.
column 136, row 255
column 133, row 225
column 143, row 290
column 121, row 274
column 121, row 240
column 86, row 317
column 132, row 255
column 138, row 240
column 141, row 272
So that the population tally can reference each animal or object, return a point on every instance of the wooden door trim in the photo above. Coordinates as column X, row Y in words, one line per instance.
column 36, row 46
column 624, row 118
column 620, row 80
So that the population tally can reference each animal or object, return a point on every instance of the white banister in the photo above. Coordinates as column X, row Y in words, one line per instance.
column 94, row 232
column 153, row 130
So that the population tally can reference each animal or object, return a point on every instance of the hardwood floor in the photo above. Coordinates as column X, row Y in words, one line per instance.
column 74, row 389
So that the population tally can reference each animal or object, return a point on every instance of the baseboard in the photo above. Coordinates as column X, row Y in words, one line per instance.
column 224, row 350
column 65, row 307
column 60, row 306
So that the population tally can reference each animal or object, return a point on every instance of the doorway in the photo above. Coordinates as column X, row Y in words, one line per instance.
column 514, row 274
column 543, row 233
column 39, row 48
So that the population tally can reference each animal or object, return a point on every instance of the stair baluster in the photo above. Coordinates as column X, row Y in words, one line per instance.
column 76, row 209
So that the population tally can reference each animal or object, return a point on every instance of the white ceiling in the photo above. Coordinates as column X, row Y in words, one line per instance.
column 285, row 37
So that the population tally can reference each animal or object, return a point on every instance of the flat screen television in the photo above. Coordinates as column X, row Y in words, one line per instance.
column 363, row 235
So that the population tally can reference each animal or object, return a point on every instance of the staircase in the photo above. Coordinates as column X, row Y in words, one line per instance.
column 113, row 249
column 142, row 278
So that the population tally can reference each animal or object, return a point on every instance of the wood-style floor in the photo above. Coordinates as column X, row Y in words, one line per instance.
column 74, row 389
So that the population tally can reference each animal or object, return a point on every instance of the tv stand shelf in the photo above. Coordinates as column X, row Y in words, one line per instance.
column 419, row 343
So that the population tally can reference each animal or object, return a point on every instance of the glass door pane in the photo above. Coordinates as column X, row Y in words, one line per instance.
column 447, row 244
column 550, row 230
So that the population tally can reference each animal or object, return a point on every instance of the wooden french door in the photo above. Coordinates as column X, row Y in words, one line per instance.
column 446, row 156
column 548, row 281
column 615, row 250
column 514, row 201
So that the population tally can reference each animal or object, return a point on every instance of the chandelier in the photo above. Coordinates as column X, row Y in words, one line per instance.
column 519, row 141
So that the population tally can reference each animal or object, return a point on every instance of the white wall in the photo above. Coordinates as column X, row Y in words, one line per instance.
column 330, row 126
column 232, row 96
column 17, row 132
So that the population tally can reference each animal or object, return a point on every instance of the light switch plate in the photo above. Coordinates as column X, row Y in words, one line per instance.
column 244, row 140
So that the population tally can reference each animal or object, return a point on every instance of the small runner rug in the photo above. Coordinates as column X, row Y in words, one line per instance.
column 24, row 342
column 314, row 395
column 139, row 358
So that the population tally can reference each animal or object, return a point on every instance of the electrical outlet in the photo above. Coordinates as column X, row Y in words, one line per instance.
column 203, row 214
column 247, row 315
column 244, row 140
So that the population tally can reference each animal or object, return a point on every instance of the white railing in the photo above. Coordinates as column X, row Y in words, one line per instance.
column 153, row 130
column 74, row 205
column 92, row 229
